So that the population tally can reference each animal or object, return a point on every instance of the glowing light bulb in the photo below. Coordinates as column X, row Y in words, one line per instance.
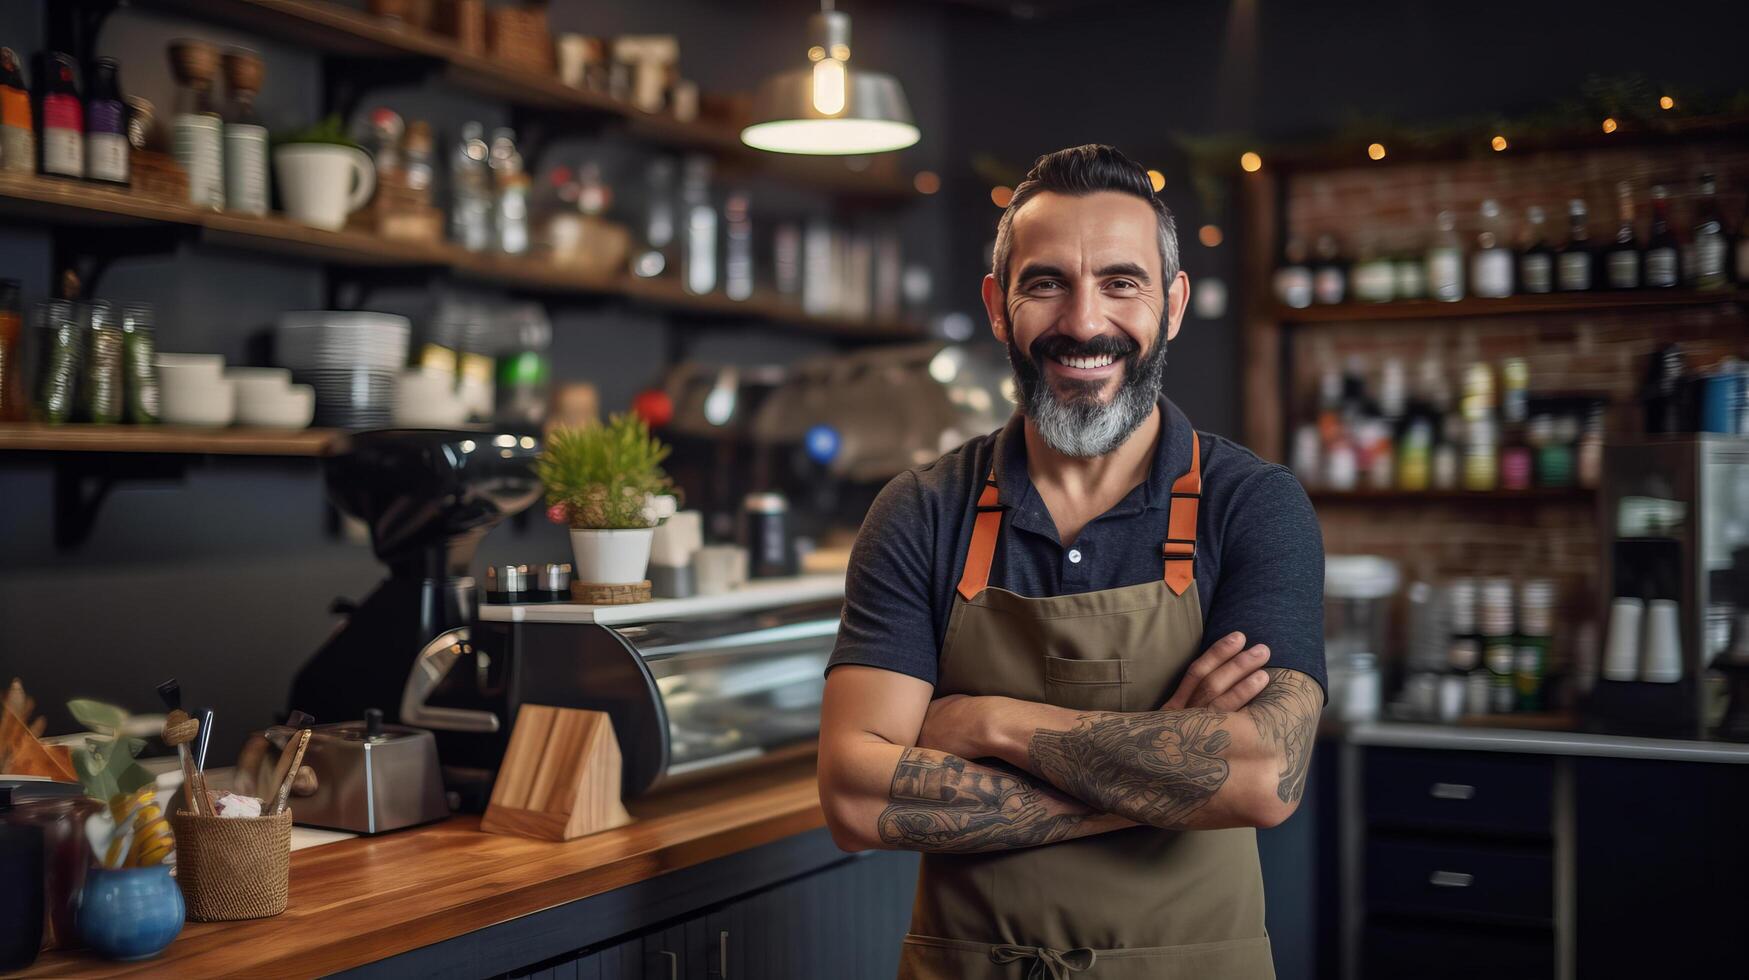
column 1251, row 162
column 1666, row 102
column 1609, row 124
column 1209, row 235
column 1498, row 143
column 926, row 182
column 1000, row 196
column 829, row 86
column 1376, row 151
column 1157, row 179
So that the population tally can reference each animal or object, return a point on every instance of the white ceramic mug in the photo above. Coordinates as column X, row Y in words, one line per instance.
column 322, row 183
column 1621, row 651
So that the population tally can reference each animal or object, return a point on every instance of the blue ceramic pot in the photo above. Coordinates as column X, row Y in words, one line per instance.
column 130, row 913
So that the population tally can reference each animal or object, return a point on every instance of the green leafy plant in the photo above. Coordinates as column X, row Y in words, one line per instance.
column 330, row 131
column 602, row 476
column 105, row 763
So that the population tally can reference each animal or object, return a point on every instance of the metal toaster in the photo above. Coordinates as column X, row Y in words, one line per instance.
column 372, row 777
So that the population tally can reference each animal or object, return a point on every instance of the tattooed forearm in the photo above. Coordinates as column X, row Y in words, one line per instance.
column 1286, row 715
column 941, row 802
column 1154, row 767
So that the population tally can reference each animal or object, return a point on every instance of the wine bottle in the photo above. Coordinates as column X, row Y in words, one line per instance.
column 1491, row 263
column 1622, row 259
column 1575, row 266
column 1536, row 264
column 1445, row 261
column 1663, row 265
column 1329, row 272
column 106, row 126
column 1293, row 277
column 61, row 150
column 1710, row 244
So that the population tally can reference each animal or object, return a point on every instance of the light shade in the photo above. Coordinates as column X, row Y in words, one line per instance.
column 875, row 119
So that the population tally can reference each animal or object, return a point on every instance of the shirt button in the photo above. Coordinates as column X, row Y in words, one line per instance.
column 1075, row 556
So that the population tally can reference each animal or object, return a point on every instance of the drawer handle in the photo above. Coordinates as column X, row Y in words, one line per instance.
column 1452, row 791
column 1450, row 879
column 723, row 954
column 673, row 959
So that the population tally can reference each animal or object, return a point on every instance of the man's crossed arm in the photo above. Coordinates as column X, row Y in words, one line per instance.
column 897, row 771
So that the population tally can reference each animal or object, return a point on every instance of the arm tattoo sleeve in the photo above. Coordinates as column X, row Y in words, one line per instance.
column 1286, row 714
column 1154, row 767
column 941, row 802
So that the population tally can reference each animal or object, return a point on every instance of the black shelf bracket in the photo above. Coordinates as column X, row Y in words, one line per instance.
column 83, row 483
column 90, row 251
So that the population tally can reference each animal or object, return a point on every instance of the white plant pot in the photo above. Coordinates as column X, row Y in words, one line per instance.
column 612, row 557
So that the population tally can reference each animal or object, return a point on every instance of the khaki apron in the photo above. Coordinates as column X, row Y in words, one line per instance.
column 1133, row 903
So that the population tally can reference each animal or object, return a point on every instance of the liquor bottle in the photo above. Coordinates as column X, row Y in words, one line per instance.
column 61, row 150
column 1411, row 272
column 245, row 136
column 1575, row 265
column 1622, row 260
column 1374, row 275
column 1329, row 272
column 1293, row 277
column 659, row 221
column 738, row 254
column 470, row 211
column 106, row 126
column 1445, row 261
column 1536, row 263
column 1663, row 266
column 1491, row 263
column 17, row 129
column 1711, row 246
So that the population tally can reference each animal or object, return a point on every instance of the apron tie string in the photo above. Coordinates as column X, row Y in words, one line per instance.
column 1046, row 964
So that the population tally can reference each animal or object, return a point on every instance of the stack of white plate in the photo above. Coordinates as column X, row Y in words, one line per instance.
column 351, row 359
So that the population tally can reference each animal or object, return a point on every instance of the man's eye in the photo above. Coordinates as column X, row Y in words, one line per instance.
column 1122, row 284
column 1046, row 285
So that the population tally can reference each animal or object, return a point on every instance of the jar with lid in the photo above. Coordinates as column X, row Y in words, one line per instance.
column 100, row 382
column 56, row 338
column 139, row 365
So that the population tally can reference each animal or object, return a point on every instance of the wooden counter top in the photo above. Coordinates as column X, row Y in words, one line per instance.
column 362, row 900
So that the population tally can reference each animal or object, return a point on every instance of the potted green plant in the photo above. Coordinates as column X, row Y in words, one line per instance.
column 322, row 174
column 606, row 482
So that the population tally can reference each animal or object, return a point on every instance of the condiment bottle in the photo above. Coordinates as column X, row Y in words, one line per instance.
column 100, row 388
column 61, row 151
column 106, row 126
column 139, row 365
column 11, row 325
column 197, row 134
column 57, row 337
column 17, row 130
column 245, row 137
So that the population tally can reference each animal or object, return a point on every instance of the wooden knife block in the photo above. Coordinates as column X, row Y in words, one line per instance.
column 560, row 778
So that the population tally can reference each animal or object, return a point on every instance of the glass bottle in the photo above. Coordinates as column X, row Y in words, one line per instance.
column 1491, row 262
column 100, row 383
column 12, row 403
column 1663, row 260
column 416, row 154
column 61, row 150
column 511, row 182
column 106, row 126
column 1293, row 277
column 659, row 220
column 17, row 128
column 1410, row 271
column 1575, row 265
column 699, row 252
column 197, row 132
column 1375, row 279
column 57, row 343
column 1622, row 259
column 1445, row 261
column 470, row 212
column 245, row 136
column 738, row 253
column 1329, row 272
column 1711, row 246
column 1536, row 263
column 139, row 366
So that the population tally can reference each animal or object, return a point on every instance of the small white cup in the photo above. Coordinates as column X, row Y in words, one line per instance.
column 720, row 568
column 1621, row 648
column 323, row 183
column 1663, row 646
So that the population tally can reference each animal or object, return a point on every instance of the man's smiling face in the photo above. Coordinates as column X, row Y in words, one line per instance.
column 1086, row 315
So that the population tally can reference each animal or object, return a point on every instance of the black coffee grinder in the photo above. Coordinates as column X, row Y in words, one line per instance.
column 429, row 496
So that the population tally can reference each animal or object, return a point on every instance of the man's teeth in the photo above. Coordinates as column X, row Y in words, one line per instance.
column 1086, row 363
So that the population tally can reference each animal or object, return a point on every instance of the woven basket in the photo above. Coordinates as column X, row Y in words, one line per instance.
column 233, row 867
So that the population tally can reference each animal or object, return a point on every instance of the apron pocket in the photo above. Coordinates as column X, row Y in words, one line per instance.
column 1087, row 685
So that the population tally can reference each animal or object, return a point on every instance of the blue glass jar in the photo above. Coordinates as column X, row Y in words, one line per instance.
column 130, row 913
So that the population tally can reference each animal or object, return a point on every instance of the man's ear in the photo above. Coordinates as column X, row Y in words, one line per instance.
column 1177, row 301
column 995, row 305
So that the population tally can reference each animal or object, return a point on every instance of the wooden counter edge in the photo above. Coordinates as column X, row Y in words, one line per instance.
column 322, row 933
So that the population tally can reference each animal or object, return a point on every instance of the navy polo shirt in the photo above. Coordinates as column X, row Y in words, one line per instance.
column 1259, row 563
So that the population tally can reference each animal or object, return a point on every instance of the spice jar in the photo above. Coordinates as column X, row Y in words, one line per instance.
column 100, row 385
column 139, row 367
column 57, row 338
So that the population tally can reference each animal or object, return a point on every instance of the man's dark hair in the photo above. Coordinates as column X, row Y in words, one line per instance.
column 1081, row 170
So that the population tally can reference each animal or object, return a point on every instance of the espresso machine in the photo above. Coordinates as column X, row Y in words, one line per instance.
column 693, row 686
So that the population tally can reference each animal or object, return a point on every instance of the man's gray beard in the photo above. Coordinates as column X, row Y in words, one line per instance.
column 1083, row 427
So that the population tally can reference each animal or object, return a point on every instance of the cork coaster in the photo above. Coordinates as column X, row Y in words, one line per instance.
column 592, row 594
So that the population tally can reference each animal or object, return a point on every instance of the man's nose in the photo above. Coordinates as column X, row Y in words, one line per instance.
column 1084, row 315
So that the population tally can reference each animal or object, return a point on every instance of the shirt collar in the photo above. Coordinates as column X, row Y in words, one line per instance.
column 1014, row 488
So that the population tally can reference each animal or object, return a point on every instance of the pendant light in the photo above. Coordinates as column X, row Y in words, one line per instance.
column 827, row 108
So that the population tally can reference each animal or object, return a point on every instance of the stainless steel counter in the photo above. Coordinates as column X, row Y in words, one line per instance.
column 1403, row 735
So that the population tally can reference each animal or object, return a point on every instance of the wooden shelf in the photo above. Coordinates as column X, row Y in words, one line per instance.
column 1473, row 307
column 335, row 29
column 1533, row 495
column 32, row 198
column 163, row 439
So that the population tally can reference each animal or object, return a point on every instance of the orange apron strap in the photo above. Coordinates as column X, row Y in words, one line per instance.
column 982, row 552
column 1180, row 547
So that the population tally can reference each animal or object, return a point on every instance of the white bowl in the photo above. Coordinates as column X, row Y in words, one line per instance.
column 289, row 409
column 199, row 404
column 204, row 367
